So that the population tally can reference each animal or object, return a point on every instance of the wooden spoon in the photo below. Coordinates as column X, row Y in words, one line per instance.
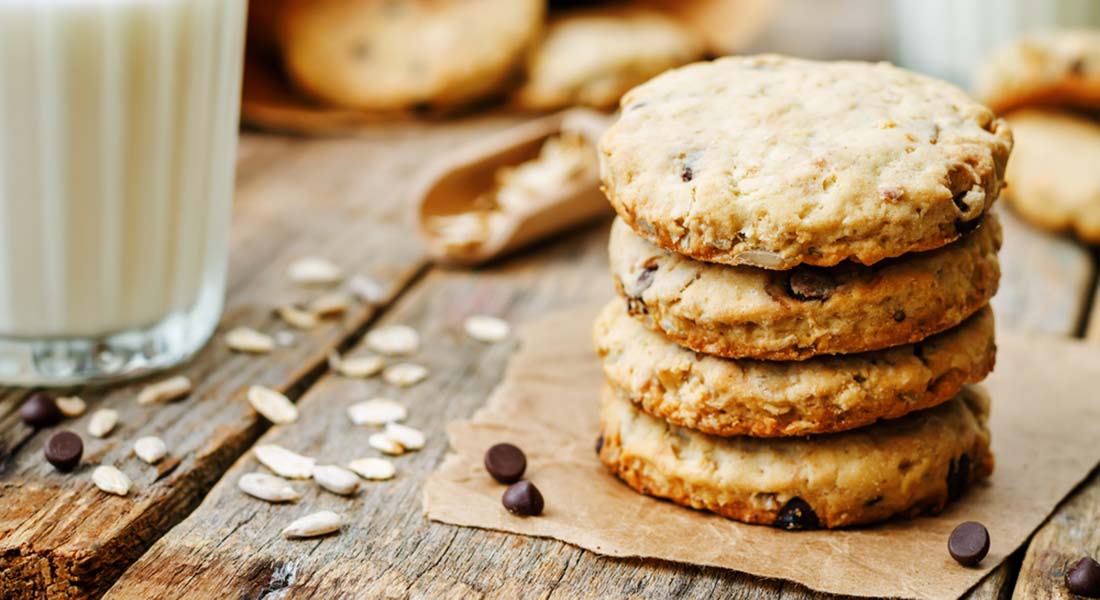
column 454, row 184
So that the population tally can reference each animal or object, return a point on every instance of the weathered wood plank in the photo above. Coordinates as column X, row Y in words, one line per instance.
column 231, row 544
column 347, row 200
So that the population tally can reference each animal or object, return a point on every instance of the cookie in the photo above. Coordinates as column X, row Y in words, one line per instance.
column 406, row 54
column 593, row 57
column 1052, row 67
column 775, row 162
column 1052, row 177
column 905, row 466
column 767, row 399
column 746, row 312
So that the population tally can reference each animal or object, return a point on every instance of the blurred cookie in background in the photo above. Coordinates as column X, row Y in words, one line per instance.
column 406, row 54
column 1052, row 177
column 593, row 57
column 1050, row 68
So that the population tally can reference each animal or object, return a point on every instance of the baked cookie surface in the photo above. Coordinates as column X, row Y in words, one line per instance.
column 746, row 312
column 774, row 162
column 905, row 466
column 1053, row 179
column 1052, row 67
column 406, row 54
column 594, row 57
column 767, row 399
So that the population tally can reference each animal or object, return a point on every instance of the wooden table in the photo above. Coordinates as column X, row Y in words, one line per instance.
column 186, row 531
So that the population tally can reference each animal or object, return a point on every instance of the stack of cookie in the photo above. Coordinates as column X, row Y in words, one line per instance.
column 805, row 256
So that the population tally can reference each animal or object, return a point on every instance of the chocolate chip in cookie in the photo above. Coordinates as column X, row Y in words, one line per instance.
column 808, row 283
column 796, row 514
column 958, row 477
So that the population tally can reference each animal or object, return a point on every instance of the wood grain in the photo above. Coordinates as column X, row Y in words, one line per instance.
column 346, row 200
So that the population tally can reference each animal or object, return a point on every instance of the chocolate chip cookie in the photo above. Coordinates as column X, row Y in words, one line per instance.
column 775, row 162
column 768, row 399
column 746, row 312
column 593, row 57
column 903, row 466
column 1050, row 67
column 403, row 55
column 1053, row 180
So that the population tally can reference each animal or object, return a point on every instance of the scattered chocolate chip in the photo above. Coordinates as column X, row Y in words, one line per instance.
column 796, row 514
column 40, row 411
column 1083, row 578
column 687, row 174
column 958, row 477
column 599, row 444
column 523, row 499
column 808, row 283
column 969, row 543
column 899, row 316
column 505, row 463
column 63, row 450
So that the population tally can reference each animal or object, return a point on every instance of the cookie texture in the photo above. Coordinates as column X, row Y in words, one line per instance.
column 747, row 312
column 410, row 54
column 904, row 466
column 768, row 399
column 1051, row 67
column 775, row 162
column 1052, row 178
column 593, row 57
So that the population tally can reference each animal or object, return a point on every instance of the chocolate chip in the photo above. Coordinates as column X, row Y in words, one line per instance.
column 523, row 499
column 63, row 450
column 40, row 411
column 859, row 378
column 958, row 477
column 505, row 463
column 645, row 278
column 969, row 543
column 796, row 514
column 687, row 174
column 808, row 283
column 899, row 316
column 599, row 444
column 1083, row 578
column 960, row 201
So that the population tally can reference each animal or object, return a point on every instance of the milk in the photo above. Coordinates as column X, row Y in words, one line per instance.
column 118, row 132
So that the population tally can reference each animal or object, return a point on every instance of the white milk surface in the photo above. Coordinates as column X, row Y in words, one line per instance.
column 118, row 133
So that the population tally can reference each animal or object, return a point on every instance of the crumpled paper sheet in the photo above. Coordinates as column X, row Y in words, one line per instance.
column 1045, row 423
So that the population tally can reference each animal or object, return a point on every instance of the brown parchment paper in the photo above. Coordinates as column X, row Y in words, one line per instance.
column 1045, row 423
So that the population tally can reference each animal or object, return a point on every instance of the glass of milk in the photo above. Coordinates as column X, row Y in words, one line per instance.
column 118, row 135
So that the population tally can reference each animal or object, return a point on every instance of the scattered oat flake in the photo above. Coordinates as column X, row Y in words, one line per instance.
column 150, row 449
column 405, row 374
column 274, row 406
column 394, row 340
column 408, row 437
column 366, row 289
column 244, row 339
column 111, row 480
column 376, row 411
column 374, row 469
column 102, row 422
column 268, row 487
column 313, row 525
column 283, row 462
column 314, row 271
column 165, row 391
column 71, row 406
column 337, row 480
column 385, row 444
column 356, row 367
column 296, row 317
column 330, row 305
column 487, row 329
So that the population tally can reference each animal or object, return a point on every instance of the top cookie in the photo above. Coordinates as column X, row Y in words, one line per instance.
column 1054, row 67
column 413, row 54
column 773, row 162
